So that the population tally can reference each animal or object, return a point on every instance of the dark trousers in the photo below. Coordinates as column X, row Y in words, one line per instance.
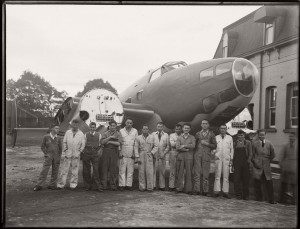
column 241, row 179
column 184, row 172
column 51, row 159
column 284, row 187
column 258, row 188
column 109, row 164
column 90, row 159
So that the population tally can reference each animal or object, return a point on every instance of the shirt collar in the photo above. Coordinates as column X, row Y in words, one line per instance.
column 146, row 136
column 53, row 136
column 185, row 136
column 92, row 133
column 222, row 136
column 202, row 131
column 162, row 132
column 127, row 130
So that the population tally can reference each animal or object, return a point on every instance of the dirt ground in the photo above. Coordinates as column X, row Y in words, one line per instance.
column 79, row 208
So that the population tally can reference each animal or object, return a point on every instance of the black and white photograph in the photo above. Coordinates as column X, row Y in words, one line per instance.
column 150, row 114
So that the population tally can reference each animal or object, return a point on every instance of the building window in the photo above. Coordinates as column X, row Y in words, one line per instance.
column 271, row 107
column 225, row 45
column 269, row 33
column 292, row 105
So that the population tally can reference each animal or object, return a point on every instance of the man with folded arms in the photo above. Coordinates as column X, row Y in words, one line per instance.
column 205, row 143
column 111, row 140
column 185, row 146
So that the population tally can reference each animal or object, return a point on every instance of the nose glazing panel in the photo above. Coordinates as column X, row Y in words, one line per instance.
column 245, row 75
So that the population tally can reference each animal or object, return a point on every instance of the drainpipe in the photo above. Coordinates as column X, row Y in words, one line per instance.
column 260, row 90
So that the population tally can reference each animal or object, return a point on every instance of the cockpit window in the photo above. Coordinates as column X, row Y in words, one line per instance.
column 171, row 66
column 166, row 68
column 206, row 74
column 222, row 68
column 155, row 75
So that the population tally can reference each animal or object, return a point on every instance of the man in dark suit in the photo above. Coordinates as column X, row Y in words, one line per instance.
column 263, row 154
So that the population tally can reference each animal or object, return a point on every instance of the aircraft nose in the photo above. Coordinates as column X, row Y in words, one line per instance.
column 245, row 75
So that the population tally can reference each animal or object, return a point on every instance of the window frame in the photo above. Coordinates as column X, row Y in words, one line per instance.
column 207, row 77
column 158, row 69
column 267, row 34
column 289, row 101
column 270, row 107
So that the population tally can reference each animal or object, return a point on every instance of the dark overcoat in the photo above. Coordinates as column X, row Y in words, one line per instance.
column 261, row 159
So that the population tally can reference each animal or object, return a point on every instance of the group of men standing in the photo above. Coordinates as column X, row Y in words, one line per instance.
column 190, row 158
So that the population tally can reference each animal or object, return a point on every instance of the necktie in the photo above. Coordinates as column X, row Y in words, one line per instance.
column 159, row 136
column 262, row 143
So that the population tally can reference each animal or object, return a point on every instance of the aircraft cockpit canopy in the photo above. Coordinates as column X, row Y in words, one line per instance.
column 169, row 66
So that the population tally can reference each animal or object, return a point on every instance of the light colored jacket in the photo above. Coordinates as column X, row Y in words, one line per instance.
column 73, row 145
column 128, row 141
column 173, row 139
column 145, row 145
column 163, row 144
column 224, row 149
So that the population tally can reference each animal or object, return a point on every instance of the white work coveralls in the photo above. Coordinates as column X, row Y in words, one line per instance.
column 224, row 153
column 145, row 148
column 172, row 159
column 73, row 145
column 127, row 160
column 160, row 160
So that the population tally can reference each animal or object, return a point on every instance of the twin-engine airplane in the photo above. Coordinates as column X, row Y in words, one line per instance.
column 216, row 90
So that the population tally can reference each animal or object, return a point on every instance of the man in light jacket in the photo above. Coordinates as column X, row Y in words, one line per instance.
column 145, row 149
column 73, row 145
column 173, row 156
column 162, row 140
column 223, row 158
column 127, row 155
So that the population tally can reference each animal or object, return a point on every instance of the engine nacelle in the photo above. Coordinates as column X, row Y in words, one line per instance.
column 100, row 106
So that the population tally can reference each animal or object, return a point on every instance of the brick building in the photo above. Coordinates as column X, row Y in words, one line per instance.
column 269, row 37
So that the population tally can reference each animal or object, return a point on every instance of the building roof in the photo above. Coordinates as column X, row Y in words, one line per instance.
column 247, row 34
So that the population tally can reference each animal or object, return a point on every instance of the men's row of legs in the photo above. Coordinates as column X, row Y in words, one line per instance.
column 145, row 179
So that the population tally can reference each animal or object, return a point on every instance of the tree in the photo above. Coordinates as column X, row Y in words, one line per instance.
column 96, row 83
column 33, row 93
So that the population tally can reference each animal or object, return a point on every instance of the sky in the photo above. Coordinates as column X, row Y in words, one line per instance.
column 69, row 45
